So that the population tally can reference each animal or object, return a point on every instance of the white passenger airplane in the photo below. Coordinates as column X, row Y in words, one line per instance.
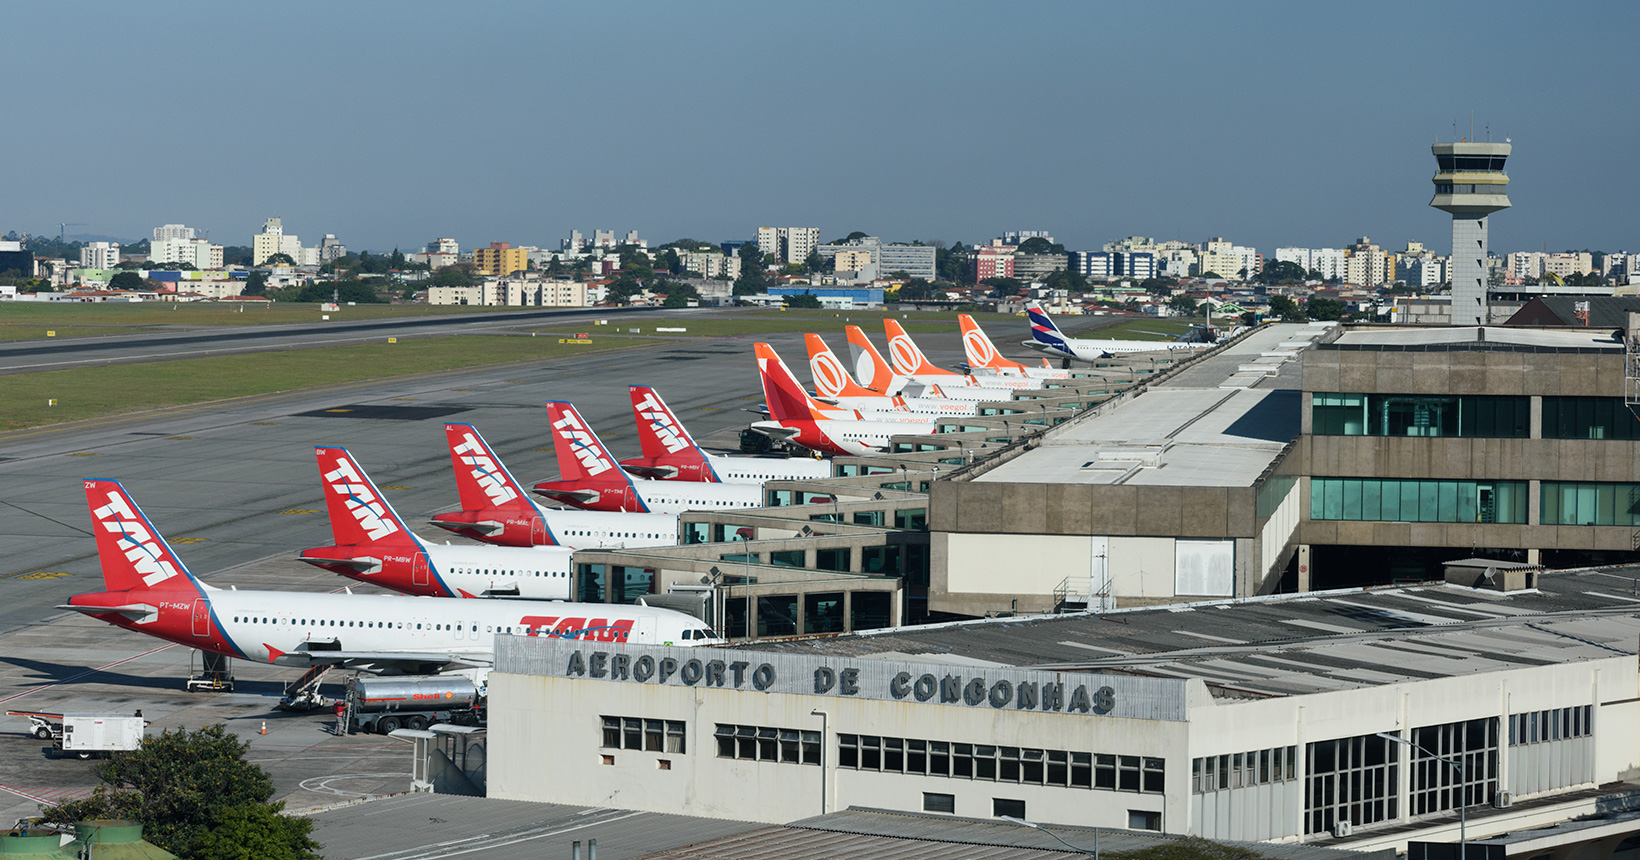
column 983, row 357
column 670, row 453
column 590, row 479
column 149, row 590
column 496, row 510
column 800, row 419
column 1046, row 337
column 838, row 388
column 374, row 545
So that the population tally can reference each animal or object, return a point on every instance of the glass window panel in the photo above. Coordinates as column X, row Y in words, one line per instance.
column 1468, row 495
column 1447, row 506
column 1333, row 502
column 1371, row 505
column 1352, row 499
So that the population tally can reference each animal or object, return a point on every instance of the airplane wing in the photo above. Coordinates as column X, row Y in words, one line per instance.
column 385, row 662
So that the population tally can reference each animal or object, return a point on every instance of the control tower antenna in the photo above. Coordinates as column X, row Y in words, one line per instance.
column 1470, row 185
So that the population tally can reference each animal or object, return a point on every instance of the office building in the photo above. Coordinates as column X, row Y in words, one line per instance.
column 14, row 258
column 1470, row 185
column 788, row 244
column 1368, row 265
column 98, row 255
column 499, row 260
column 1036, row 267
column 1016, row 237
column 1134, row 264
column 711, row 264
column 1219, row 257
column 1092, row 265
column 174, row 231
column 992, row 261
column 199, row 253
column 513, row 292
column 331, row 249
column 274, row 240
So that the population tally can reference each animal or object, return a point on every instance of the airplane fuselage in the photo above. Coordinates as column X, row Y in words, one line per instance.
column 539, row 573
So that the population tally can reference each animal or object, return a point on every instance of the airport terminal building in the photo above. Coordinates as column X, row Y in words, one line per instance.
column 1256, row 719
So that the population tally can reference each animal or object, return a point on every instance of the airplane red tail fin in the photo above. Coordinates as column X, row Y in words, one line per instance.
column 979, row 349
column 908, row 359
column 869, row 366
column 661, row 435
column 831, row 378
column 482, row 481
column 785, row 395
column 359, row 515
column 582, row 457
column 133, row 554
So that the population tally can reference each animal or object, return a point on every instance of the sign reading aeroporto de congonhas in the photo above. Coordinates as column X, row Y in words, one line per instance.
column 893, row 680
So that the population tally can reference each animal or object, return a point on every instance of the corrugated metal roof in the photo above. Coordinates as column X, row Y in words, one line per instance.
column 428, row 826
column 1299, row 644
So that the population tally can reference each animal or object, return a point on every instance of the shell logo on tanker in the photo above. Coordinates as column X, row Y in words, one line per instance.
column 591, row 629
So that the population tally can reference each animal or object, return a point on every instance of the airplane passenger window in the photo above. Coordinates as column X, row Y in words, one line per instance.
column 418, row 626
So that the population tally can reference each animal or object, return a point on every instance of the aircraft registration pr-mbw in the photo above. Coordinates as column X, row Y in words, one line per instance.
column 591, row 479
column 495, row 509
column 147, row 589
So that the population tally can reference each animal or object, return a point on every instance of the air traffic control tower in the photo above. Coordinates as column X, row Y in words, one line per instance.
column 1470, row 184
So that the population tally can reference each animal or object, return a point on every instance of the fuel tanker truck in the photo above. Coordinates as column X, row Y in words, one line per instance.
column 386, row 704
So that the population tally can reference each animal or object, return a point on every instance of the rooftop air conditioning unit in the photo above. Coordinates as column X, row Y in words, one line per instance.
column 1503, row 799
column 1342, row 829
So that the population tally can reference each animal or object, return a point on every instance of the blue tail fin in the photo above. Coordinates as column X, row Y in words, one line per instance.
column 1042, row 327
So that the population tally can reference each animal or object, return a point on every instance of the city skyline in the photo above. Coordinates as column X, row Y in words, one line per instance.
column 390, row 126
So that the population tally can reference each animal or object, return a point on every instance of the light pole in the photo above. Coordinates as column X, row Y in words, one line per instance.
column 1077, row 848
column 824, row 740
column 1463, row 790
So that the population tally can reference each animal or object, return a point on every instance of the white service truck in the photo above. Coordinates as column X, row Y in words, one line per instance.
column 86, row 735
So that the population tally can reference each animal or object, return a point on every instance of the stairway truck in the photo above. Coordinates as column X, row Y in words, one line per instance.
column 386, row 704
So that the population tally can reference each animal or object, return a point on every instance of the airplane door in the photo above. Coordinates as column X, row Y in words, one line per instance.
column 645, row 630
column 202, row 617
column 418, row 570
column 538, row 532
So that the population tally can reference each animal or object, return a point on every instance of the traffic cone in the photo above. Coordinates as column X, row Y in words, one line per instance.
column 264, row 727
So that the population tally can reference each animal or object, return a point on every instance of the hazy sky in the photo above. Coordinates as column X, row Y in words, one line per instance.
column 393, row 123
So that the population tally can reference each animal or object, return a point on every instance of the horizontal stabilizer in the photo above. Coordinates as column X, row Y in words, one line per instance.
column 133, row 611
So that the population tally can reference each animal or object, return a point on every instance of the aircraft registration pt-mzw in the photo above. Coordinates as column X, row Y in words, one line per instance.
column 150, row 591
column 1046, row 337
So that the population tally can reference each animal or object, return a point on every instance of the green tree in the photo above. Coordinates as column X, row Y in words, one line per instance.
column 396, row 261
column 1159, row 286
column 1211, row 275
column 849, row 238
column 805, row 300
column 753, row 279
column 1324, row 309
column 671, row 261
column 256, row 832
column 1182, row 304
column 917, row 289
column 1039, row 245
column 181, row 785
column 635, row 261
column 256, row 283
column 1004, row 287
column 952, row 263
column 125, row 281
column 1282, row 272
column 280, row 259
column 1068, row 280
column 452, row 276
column 1286, row 309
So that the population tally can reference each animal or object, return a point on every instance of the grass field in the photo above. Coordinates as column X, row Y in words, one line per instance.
column 31, row 320
column 753, row 322
column 117, row 389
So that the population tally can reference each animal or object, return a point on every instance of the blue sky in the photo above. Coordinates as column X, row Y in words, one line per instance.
column 393, row 123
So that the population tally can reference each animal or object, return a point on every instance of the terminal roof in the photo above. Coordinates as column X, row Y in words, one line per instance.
column 1295, row 644
column 1475, row 337
column 1219, row 422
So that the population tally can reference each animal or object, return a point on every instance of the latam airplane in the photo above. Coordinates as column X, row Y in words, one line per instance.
column 802, row 420
column 374, row 545
column 838, row 388
column 670, row 453
column 495, row 509
column 147, row 589
column 875, row 374
column 590, row 479
column 1046, row 337
column 983, row 357
column 910, row 361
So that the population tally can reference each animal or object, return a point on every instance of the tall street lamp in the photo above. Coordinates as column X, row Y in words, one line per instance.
column 1077, row 848
column 1463, row 789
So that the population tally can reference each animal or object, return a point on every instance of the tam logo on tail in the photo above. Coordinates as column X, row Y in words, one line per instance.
column 581, row 441
column 661, row 423
column 475, row 456
column 136, row 542
column 369, row 511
